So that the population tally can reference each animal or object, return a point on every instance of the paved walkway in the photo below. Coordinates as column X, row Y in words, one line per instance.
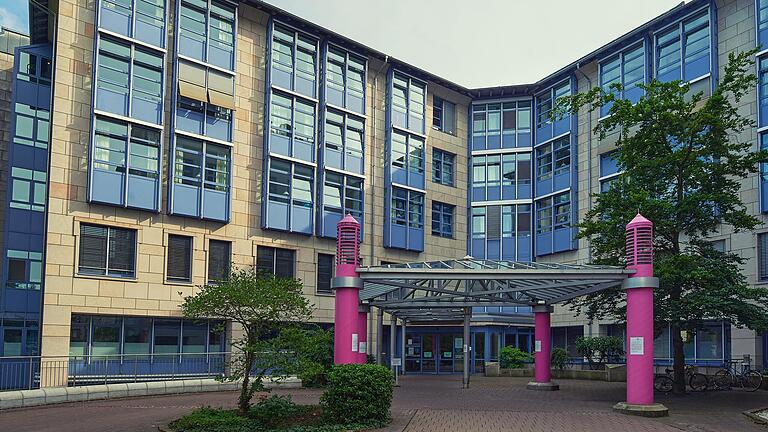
column 430, row 403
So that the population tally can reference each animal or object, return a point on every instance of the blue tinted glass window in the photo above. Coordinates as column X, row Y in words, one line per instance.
column 442, row 219
column 442, row 167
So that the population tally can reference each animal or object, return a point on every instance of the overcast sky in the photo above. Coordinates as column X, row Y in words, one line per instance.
column 478, row 43
column 481, row 43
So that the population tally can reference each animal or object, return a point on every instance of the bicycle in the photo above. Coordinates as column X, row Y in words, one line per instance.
column 696, row 381
column 748, row 379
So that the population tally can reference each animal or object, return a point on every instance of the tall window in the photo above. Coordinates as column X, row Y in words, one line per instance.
column 325, row 267
column 545, row 103
column 294, row 60
column 25, row 269
column 345, row 80
column 443, row 167
column 125, row 70
column 762, row 257
column 343, row 195
column 290, row 201
column 762, row 24
column 683, row 50
column 219, row 260
column 206, row 100
column 201, row 179
column 443, row 115
column 553, row 158
column 179, row 267
column 408, row 100
column 28, row 189
column 31, row 128
column 207, row 31
column 553, row 211
column 501, row 125
column 343, row 142
column 107, row 251
column 626, row 68
column 292, row 127
column 139, row 19
column 408, row 155
column 407, row 208
column 442, row 219
column 609, row 171
column 277, row 261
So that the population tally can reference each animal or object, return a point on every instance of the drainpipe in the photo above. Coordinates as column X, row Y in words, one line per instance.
column 589, row 159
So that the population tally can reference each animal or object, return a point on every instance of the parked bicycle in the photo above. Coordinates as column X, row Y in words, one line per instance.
column 696, row 381
column 730, row 376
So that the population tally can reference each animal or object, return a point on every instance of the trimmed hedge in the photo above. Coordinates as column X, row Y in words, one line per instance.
column 358, row 393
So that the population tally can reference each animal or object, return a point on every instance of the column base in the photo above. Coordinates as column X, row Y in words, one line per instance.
column 547, row 386
column 652, row 410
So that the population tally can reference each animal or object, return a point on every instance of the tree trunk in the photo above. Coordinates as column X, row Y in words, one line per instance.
column 678, row 356
column 244, row 402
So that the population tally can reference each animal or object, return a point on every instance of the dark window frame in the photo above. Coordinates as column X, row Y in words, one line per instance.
column 273, row 267
column 170, row 273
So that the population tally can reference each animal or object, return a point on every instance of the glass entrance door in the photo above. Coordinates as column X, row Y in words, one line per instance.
column 413, row 354
column 428, row 362
column 446, row 353
column 458, row 353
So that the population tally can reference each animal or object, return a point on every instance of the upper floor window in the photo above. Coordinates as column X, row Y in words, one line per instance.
column 207, row 32
column 683, row 50
column 626, row 68
column 143, row 20
column 762, row 257
column 107, row 251
column 408, row 99
column 553, row 158
column 31, row 128
column 290, row 196
column 179, row 266
column 201, row 172
column 443, row 115
column 292, row 126
column 762, row 24
column 343, row 195
column 553, row 211
column 325, row 268
column 219, row 260
column 25, row 270
column 545, row 103
column 345, row 80
column 762, row 91
column 501, row 125
column 277, row 261
column 28, row 189
column 442, row 219
column 294, row 60
column 511, row 171
column 501, row 221
column 129, row 80
column 206, row 100
column 343, row 141
column 609, row 171
column 125, row 166
column 407, row 208
column 443, row 167
column 34, row 68
column 408, row 153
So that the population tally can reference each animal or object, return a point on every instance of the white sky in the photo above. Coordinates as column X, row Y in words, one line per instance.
column 481, row 43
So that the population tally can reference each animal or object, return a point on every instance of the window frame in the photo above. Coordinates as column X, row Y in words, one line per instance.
column 295, row 37
column 295, row 102
column 107, row 274
column 274, row 264
column 410, row 105
column 331, row 117
column 439, row 164
column 621, row 57
column 442, row 210
column 134, row 13
column 344, row 196
column 347, row 72
column 330, row 291
column 209, row 255
column 208, row 26
column 439, row 122
column 179, row 279
column 681, row 39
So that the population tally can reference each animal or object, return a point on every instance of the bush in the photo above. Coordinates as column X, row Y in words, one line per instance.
column 599, row 350
column 275, row 410
column 312, row 374
column 358, row 394
column 214, row 420
column 559, row 358
column 513, row 358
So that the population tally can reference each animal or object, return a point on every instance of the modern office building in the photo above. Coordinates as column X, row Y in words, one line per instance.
column 153, row 141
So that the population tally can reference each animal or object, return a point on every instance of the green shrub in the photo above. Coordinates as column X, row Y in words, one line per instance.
column 312, row 374
column 214, row 420
column 370, row 359
column 275, row 410
column 513, row 358
column 599, row 350
column 358, row 394
column 559, row 358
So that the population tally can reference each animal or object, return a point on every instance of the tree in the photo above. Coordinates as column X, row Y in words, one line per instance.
column 260, row 303
column 683, row 159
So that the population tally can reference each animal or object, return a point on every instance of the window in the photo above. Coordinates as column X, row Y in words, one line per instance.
column 763, row 91
column 27, row 189
column 31, row 128
column 627, row 69
column 290, row 195
column 443, row 115
column 405, row 227
column 544, row 215
column 292, row 127
column 762, row 24
column 345, row 80
column 219, row 260
column 25, row 269
column 442, row 167
column 179, row 267
column 548, row 127
column 501, row 125
column 442, row 219
column 553, row 158
column 294, row 60
column 762, row 257
column 139, row 19
column 683, row 50
column 478, row 222
column 207, row 32
column 407, row 159
column 125, row 169
column 501, row 222
column 609, row 171
column 200, row 179
column 510, row 171
column 107, row 251
column 408, row 101
column 544, row 162
column 553, row 211
column 343, row 141
column 125, row 70
column 206, row 100
column 279, row 262
column 325, row 267
column 341, row 195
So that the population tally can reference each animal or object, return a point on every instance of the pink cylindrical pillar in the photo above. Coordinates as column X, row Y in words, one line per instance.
column 639, row 288
column 542, row 349
column 347, row 285
column 362, row 329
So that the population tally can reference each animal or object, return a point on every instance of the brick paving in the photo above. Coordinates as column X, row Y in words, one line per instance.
column 430, row 403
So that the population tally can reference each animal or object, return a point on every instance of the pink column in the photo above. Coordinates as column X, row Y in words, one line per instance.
column 542, row 348
column 362, row 329
column 639, row 288
column 347, row 284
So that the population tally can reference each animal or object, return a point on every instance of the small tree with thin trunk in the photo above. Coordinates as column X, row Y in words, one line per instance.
column 259, row 303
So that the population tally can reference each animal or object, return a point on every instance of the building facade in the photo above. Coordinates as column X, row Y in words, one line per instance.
column 154, row 141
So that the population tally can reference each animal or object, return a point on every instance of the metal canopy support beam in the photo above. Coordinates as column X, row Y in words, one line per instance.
column 402, row 347
column 392, row 341
column 467, row 346
column 379, row 336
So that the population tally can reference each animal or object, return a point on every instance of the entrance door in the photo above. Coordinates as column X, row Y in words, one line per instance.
column 428, row 359
column 458, row 353
column 446, row 353
column 413, row 354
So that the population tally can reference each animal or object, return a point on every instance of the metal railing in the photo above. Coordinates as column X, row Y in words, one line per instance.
column 30, row 372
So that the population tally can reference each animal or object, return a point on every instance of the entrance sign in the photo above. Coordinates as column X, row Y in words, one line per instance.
column 355, row 342
column 636, row 346
column 397, row 361
column 537, row 346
